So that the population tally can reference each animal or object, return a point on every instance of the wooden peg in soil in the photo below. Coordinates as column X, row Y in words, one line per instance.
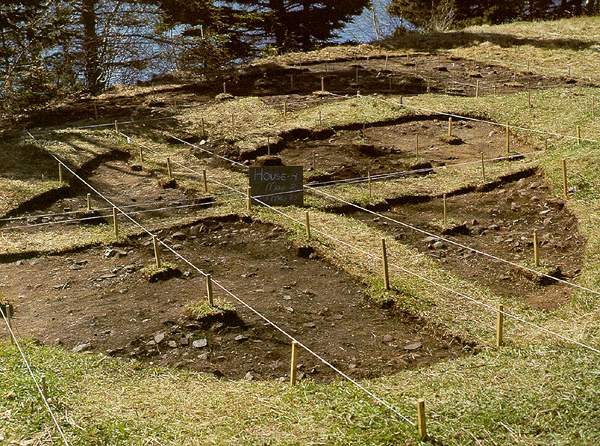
column 390, row 83
column 417, row 146
column 314, row 160
column 421, row 424
column 232, row 119
column 141, row 155
column 169, row 171
column 156, row 251
column 322, row 83
column 294, row 363
column 386, row 275
column 307, row 218
column 482, row 167
column 249, row 199
column 500, row 326
column 224, row 87
column 450, row 127
column 292, row 81
column 386, row 62
column 536, row 249
column 209, row 290
column 320, row 118
column 60, row 173
column 116, row 223
column 203, row 128
column 445, row 209
column 116, row 126
column 578, row 134
column 88, row 199
column 495, row 89
column 268, row 145
column 285, row 109
column 205, row 180
column 370, row 184
column 507, row 138
column 565, row 179
column 477, row 89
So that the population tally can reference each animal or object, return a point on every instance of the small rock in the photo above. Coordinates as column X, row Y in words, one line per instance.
column 172, row 344
column 438, row 245
column 159, row 337
column 240, row 338
column 200, row 343
column 413, row 346
column 83, row 347
column 179, row 236
column 388, row 338
column 249, row 376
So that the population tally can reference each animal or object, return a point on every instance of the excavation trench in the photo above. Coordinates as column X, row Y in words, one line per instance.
column 99, row 300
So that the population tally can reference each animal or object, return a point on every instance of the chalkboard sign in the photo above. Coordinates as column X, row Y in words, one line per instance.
column 277, row 185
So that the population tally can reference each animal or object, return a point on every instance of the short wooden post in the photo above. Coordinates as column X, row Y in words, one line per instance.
column 292, row 81
column 307, row 217
column 507, row 138
column 169, row 171
column 268, row 145
column 386, row 276
column 209, row 290
column 386, row 62
column 450, row 127
column 421, row 424
column 141, row 155
column 569, row 70
column 445, row 209
column 203, row 128
column 249, row 199
column 116, row 126
column 224, row 87
column 482, row 167
column 322, row 83
column 536, row 252
column 116, row 223
column 294, row 363
column 320, row 118
column 390, row 83
column 205, row 180
column 565, row 179
column 60, row 173
column 417, row 145
column 285, row 109
column 428, row 87
column 370, row 184
column 88, row 200
column 402, row 100
column 578, row 134
column 500, row 326
column 477, row 89
column 495, row 89
column 232, row 119
column 156, row 251
column 593, row 106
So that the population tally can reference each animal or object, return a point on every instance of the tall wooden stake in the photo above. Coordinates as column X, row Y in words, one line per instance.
column 291, row 81
column 500, row 326
column 60, row 173
column 477, row 89
column 224, row 87
column 536, row 252
column 445, row 209
column 386, row 276
column 450, row 127
column 507, row 138
column 205, row 180
column 116, row 223
column 370, row 184
column 578, row 134
column 285, row 109
column 482, row 167
column 565, row 179
column 417, row 145
column 322, row 83
column 249, row 199
column 386, row 62
column 294, row 363
column 156, row 252
column 116, row 126
column 203, row 128
column 169, row 171
column 209, row 290
column 88, row 199
column 421, row 420
column 141, row 155
column 307, row 217
column 8, row 315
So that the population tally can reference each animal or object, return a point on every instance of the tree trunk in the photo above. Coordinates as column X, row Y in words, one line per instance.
column 91, row 47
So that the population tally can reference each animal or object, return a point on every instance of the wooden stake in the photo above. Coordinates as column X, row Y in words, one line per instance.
column 285, row 109
column 445, row 209
column 421, row 420
column 88, row 199
column 209, row 290
column 578, row 134
column 60, row 173
column 500, row 326
column 156, row 251
column 386, row 62
column 477, row 89
column 370, row 184
column 507, row 138
column 294, row 363
column 386, row 276
column 314, row 160
column 203, row 129
column 141, row 155
column 232, row 119
column 565, row 179
column 224, row 87
column 322, row 83
column 249, row 199
column 390, row 83
column 417, row 146
column 44, row 385
column 307, row 216
column 116, row 223
column 450, row 127
column 495, row 89
column 8, row 315
column 116, row 126
column 320, row 118
column 569, row 70
column 428, row 87
column 593, row 106
column 536, row 252
column 291, row 81
column 169, row 171
column 482, row 167
column 268, row 145
column 205, row 180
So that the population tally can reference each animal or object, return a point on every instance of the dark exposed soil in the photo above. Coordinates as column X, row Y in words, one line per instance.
column 105, row 301
column 499, row 222
column 393, row 148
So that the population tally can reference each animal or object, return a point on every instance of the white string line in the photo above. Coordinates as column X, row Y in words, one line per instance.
column 483, row 304
column 444, row 287
column 35, row 381
column 455, row 243
column 99, row 217
column 111, row 124
column 380, row 400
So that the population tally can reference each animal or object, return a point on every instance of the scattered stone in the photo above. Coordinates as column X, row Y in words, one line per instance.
column 200, row 343
column 159, row 337
column 249, row 376
column 388, row 338
column 83, row 347
column 413, row 346
column 240, row 338
column 172, row 344
column 179, row 236
column 309, row 325
column 438, row 245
